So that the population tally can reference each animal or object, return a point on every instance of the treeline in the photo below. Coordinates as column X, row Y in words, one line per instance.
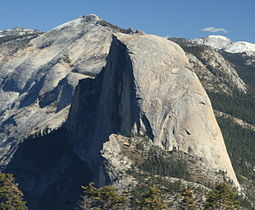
column 222, row 196
column 159, row 164
column 240, row 105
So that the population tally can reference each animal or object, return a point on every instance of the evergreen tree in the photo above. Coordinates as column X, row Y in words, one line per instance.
column 11, row 198
column 222, row 197
column 150, row 199
column 187, row 202
column 103, row 198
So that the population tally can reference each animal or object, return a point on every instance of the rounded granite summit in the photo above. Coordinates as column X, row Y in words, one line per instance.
column 91, row 18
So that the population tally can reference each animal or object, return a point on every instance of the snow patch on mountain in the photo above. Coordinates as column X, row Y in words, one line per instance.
column 224, row 43
column 77, row 21
column 68, row 24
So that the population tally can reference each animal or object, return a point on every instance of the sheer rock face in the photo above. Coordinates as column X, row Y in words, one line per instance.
column 174, row 103
column 134, row 85
column 148, row 89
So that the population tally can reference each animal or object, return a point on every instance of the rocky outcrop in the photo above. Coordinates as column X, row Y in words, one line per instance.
column 214, row 71
column 220, row 67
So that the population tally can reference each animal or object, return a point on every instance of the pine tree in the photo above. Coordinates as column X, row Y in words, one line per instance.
column 11, row 198
column 222, row 197
column 187, row 202
column 105, row 197
column 150, row 199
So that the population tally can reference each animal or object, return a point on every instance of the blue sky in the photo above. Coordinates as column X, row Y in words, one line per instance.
column 174, row 18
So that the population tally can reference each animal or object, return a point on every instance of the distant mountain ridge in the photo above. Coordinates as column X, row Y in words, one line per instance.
column 225, row 44
column 18, row 31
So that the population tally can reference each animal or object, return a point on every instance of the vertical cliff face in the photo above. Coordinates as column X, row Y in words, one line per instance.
column 104, row 105
column 147, row 89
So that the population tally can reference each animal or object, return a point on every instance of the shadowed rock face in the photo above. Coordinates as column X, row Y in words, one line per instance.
column 49, row 173
column 104, row 105
column 132, row 85
column 147, row 90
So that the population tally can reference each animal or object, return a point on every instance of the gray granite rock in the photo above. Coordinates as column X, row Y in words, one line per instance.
column 147, row 89
column 115, row 83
